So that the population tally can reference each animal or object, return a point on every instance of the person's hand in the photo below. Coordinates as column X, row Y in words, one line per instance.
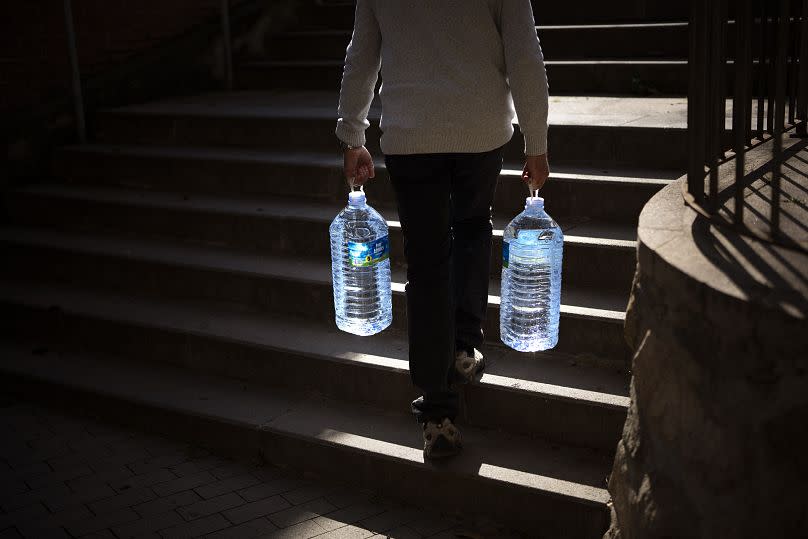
column 358, row 166
column 536, row 172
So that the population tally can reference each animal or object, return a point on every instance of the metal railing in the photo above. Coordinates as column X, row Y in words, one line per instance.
column 78, row 99
column 768, row 84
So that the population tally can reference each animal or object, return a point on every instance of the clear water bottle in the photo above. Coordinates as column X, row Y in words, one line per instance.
column 530, row 299
column 360, row 268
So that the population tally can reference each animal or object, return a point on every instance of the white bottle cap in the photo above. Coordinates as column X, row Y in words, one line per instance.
column 534, row 203
column 356, row 198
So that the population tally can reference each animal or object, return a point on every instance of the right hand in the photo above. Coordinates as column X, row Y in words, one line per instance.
column 358, row 166
column 536, row 172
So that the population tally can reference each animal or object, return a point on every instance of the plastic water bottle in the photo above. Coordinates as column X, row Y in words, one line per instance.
column 360, row 268
column 530, row 299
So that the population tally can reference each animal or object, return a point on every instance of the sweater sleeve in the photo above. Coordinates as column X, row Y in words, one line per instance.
column 362, row 64
column 527, row 75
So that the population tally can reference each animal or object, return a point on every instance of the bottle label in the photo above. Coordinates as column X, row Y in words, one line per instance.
column 370, row 253
column 506, row 252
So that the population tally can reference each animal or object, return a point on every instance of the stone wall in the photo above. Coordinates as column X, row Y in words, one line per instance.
column 715, row 440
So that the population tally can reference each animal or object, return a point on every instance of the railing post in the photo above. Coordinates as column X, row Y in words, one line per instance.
column 802, row 84
column 741, row 98
column 78, row 99
column 697, row 104
column 227, row 46
column 779, row 113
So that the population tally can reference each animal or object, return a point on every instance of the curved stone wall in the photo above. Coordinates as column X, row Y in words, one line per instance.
column 716, row 437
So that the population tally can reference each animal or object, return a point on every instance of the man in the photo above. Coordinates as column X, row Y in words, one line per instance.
column 453, row 71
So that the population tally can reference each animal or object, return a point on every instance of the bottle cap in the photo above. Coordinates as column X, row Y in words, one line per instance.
column 534, row 203
column 356, row 198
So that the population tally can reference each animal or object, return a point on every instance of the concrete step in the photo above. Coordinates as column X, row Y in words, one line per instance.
column 603, row 131
column 596, row 254
column 567, row 77
column 340, row 16
column 591, row 319
column 608, row 195
column 666, row 40
column 546, row 395
column 540, row 488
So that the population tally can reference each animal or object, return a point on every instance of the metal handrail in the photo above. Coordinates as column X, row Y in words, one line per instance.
column 770, row 42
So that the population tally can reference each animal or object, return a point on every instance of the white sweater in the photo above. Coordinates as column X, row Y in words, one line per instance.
column 453, row 71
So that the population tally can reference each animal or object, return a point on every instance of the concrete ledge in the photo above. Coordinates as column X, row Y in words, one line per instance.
column 714, row 439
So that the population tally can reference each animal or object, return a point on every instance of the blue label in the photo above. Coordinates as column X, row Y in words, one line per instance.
column 506, row 253
column 368, row 254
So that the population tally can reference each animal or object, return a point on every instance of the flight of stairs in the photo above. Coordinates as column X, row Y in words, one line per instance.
column 175, row 274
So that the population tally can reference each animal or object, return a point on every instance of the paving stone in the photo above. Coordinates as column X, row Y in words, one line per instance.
column 247, row 530
column 149, row 524
column 391, row 519
column 100, row 522
column 107, row 477
column 57, row 476
column 346, row 496
column 103, row 534
column 196, row 528
column 152, row 463
column 33, row 468
column 229, row 469
column 253, row 510
column 299, row 513
column 32, row 496
column 213, row 505
column 143, row 480
column 126, row 499
column 10, row 533
column 229, row 484
column 306, row 493
column 61, row 500
column 431, row 525
column 347, row 532
column 302, row 530
column 268, row 473
column 183, row 483
column 265, row 490
column 22, row 514
column 11, row 486
column 167, row 503
column 350, row 515
column 401, row 532
column 34, row 527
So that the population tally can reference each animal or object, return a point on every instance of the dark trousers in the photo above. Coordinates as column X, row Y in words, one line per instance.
column 444, row 205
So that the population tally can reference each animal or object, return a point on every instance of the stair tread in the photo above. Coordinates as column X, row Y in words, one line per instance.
column 606, row 305
column 347, row 32
column 659, row 177
column 546, row 374
column 573, row 474
column 661, row 112
column 584, row 231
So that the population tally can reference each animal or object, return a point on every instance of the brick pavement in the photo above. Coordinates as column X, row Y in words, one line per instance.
column 63, row 475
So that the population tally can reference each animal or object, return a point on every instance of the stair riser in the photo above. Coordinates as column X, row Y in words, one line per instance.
column 598, row 338
column 574, row 144
column 564, row 79
column 585, row 265
column 605, row 201
column 563, row 421
column 545, row 13
column 557, row 44
column 522, row 508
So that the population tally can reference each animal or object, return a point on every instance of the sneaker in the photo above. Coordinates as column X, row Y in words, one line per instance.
column 469, row 364
column 441, row 439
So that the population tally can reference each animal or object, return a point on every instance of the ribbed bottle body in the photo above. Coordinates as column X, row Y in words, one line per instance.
column 360, row 270
column 530, row 299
